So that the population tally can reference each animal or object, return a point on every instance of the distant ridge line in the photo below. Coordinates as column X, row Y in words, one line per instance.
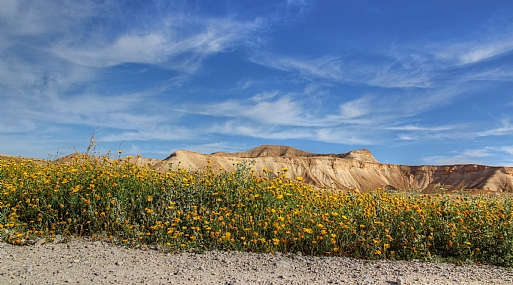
column 288, row 151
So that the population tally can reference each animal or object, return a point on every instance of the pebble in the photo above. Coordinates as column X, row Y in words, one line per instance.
column 81, row 261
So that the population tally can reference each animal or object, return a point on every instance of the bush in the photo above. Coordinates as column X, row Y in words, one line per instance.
column 243, row 211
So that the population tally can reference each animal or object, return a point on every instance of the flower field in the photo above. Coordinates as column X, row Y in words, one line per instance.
column 246, row 211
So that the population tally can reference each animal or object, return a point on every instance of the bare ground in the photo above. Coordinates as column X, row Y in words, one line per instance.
column 87, row 262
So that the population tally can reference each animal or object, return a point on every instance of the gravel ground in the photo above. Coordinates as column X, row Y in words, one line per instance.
column 85, row 262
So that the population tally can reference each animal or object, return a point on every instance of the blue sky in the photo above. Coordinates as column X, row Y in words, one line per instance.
column 415, row 82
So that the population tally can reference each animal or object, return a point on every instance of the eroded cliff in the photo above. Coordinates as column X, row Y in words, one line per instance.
column 353, row 170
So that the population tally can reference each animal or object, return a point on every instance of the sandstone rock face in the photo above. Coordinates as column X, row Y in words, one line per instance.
column 353, row 170
column 357, row 169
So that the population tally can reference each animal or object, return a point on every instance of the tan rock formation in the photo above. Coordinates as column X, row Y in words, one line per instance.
column 353, row 170
column 357, row 169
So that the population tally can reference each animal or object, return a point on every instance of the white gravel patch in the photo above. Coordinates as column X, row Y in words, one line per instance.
column 86, row 262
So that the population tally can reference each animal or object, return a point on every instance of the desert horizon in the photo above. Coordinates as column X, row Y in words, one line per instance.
column 356, row 169
column 256, row 142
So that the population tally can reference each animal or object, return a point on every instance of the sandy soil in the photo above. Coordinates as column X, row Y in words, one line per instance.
column 87, row 262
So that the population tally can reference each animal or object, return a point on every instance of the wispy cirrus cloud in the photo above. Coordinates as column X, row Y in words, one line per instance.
column 476, row 50
column 49, row 65
column 267, row 107
column 428, row 133
column 474, row 156
column 164, row 133
column 275, row 108
column 162, row 45
column 171, row 40
column 450, row 160
column 508, row 149
column 83, row 109
column 287, row 116
column 250, row 129
column 383, row 71
column 217, row 146
column 418, row 64
column 505, row 129
column 423, row 128
column 357, row 108
column 188, row 72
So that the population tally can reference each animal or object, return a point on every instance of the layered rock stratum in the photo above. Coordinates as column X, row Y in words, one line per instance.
column 356, row 169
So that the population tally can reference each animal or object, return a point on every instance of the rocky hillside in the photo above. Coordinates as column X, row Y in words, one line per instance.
column 353, row 170
column 357, row 169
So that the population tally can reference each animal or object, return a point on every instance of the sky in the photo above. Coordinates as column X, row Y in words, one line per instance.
column 414, row 82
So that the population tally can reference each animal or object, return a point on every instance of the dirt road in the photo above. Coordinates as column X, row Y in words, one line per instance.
column 86, row 262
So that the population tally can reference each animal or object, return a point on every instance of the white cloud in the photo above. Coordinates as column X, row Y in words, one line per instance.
column 476, row 152
column 246, row 83
column 418, row 64
column 25, row 145
column 430, row 133
column 224, row 146
column 236, row 128
column 421, row 128
column 316, row 89
column 356, row 108
column 332, row 135
column 282, row 111
column 128, row 48
column 508, row 149
column 52, row 55
column 450, row 160
column 468, row 156
column 51, row 51
column 369, row 119
column 484, row 45
column 40, row 44
column 326, row 67
column 157, row 133
column 296, row 111
column 35, row 18
column 404, row 137
column 505, row 129
column 167, row 44
column 127, row 112
column 475, row 156
column 390, row 73
column 344, row 136
column 485, row 51
column 262, row 97
column 264, row 107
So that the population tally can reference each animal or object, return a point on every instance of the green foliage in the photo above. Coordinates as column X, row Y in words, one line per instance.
column 244, row 211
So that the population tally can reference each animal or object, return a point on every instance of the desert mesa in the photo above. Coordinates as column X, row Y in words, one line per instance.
column 356, row 169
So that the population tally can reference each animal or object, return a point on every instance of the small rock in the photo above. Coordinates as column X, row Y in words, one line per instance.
column 58, row 238
column 40, row 242
column 281, row 263
column 400, row 281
